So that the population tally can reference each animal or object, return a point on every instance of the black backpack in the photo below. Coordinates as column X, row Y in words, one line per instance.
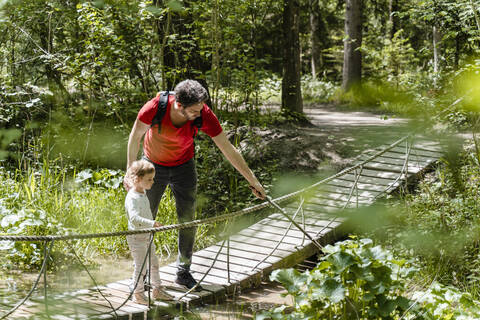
column 162, row 109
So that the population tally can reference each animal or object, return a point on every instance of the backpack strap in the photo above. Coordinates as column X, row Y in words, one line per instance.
column 161, row 108
column 198, row 122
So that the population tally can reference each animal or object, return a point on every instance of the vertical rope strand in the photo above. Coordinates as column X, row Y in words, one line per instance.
column 42, row 270
column 45, row 284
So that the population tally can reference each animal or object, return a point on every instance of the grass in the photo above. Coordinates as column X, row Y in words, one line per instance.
column 48, row 199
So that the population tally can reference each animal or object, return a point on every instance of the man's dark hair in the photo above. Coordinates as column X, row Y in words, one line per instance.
column 190, row 92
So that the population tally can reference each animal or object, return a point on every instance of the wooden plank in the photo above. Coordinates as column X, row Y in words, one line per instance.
column 340, row 199
column 128, row 309
column 279, row 230
column 383, row 175
column 217, row 276
column 264, row 234
column 253, row 255
column 419, row 152
column 366, row 183
column 240, row 257
column 412, row 157
column 311, row 224
column 67, row 306
column 427, row 145
column 412, row 163
column 267, row 245
column 121, row 286
column 311, row 231
column 236, row 263
column 375, row 165
column 346, row 191
column 119, row 297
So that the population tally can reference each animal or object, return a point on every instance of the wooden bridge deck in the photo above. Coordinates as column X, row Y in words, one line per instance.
column 249, row 248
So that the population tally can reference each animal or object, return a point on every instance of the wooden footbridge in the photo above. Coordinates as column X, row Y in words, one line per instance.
column 299, row 224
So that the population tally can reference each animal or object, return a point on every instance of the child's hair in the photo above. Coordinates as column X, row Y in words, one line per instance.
column 139, row 168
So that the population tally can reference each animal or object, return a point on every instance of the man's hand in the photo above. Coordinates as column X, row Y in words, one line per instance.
column 157, row 224
column 258, row 190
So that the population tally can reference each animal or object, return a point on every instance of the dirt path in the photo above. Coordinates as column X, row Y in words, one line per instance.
column 348, row 133
column 334, row 137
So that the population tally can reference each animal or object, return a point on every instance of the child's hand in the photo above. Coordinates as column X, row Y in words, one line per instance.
column 157, row 224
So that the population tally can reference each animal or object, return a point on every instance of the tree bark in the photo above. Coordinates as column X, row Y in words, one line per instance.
column 392, row 18
column 315, row 38
column 436, row 52
column 291, row 87
column 352, row 57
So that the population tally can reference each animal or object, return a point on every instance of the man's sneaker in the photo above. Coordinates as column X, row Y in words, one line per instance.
column 186, row 280
column 159, row 294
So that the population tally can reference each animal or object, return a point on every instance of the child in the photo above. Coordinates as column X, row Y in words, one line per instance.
column 140, row 177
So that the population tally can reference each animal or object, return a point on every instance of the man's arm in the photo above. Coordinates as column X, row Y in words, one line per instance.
column 138, row 131
column 239, row 163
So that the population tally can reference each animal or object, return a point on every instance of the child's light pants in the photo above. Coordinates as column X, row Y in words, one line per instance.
column 138, row 244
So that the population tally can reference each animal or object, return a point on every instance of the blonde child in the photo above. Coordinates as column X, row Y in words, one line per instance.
column 140, row 178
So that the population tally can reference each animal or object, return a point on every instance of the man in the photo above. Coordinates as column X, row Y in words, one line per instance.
column 169, row 146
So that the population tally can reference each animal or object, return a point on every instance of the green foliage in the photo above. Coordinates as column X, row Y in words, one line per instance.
column 441, row 302
column 51, row 200
column 446, row 214
column 394, row 63
column 315, row 90
column 354, row 280
column 357, row 280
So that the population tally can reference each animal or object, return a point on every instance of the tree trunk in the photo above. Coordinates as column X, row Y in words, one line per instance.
column 352, row 57
column 315, row 40
column 291, row 87
column 392, row 18
column 436, row 53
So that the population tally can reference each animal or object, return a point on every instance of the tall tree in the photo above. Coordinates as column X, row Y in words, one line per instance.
column 392, row 18
column 315, row 37
column 291, row 87
column 352, row 57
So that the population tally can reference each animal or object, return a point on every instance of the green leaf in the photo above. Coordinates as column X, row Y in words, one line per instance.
column 6, row 245
column 341, row 260
column 156, row 11
column 291, row 279
column 323, row 265
column 10, row 220
column 333, row 290
column 175, row 5
column 83, row 175
column 387, row 308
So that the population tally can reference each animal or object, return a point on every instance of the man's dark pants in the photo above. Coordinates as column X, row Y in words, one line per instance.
column 183, row 183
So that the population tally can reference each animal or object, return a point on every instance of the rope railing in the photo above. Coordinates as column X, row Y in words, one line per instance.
column 357, row 169
column 194, row 223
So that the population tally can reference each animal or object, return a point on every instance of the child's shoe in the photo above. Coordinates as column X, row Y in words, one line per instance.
column 140, row 298
column 159, row 293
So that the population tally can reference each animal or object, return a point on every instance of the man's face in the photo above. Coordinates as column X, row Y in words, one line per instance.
column 191, row 112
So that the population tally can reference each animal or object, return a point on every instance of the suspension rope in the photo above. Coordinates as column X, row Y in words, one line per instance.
column 281, row 239
column 319, row 246
column 352, row 189
column 194, row 223
column 42, row 270
column 72, row 249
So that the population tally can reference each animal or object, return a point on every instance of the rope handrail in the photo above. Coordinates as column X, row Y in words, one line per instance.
column 193, row 223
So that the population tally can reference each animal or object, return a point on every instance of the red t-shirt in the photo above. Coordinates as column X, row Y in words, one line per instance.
column 173, row 146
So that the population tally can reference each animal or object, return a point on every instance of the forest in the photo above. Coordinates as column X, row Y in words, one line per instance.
column 75, row 73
